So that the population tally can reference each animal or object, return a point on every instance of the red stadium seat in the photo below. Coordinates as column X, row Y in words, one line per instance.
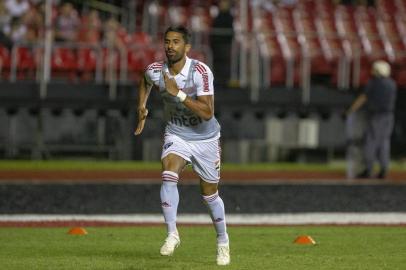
column 310, row 42
column 64, row 62
column 87, row 63
column 139, row 38
column 25, row 59
column 399, row 75
column 277, row 63
column 87, row 59
column 138, row 58
column 199, row 55
column 111, row 62
column 5, row 61
column 26, row 63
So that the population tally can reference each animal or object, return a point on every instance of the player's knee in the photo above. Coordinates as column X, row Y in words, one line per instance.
column 173, row 163
column 207, row 189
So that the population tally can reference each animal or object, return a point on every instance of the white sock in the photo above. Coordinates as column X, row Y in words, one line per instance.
column 217, row 213
column 170, row 199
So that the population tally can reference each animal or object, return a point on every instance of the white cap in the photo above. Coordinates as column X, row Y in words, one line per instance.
column 381, row 68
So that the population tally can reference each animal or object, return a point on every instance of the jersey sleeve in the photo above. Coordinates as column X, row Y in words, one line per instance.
column 203, row 79
column 152, row 72
column 147, row 77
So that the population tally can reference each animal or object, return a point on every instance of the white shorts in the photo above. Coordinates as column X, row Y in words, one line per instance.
column 204, row 156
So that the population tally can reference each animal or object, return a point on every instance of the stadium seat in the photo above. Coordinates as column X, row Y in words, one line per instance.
column 199, row 55
column 64, row 62
column 399, row 74
column 87, row 62
column 331, row 45
column 138, row 58
column 288, row 42
column 138, row 38
column 310, row 43
column 277, row 63
column 26, row 62
column 111, row 61
column 5, row 61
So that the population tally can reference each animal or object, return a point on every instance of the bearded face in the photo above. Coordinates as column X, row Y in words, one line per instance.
column 175, row 47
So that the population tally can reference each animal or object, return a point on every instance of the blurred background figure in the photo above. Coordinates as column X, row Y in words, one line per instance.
column 16, row 31
column 34, row 20
column 200, row 26
column 113, row 34
column 379, row 97
column 91, row 28
column 4, row 22
column 221, row 39
column 67, row 24
column 4, row 14
column 17, row 8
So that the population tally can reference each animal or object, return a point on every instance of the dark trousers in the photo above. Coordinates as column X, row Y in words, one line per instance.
column 377, row 144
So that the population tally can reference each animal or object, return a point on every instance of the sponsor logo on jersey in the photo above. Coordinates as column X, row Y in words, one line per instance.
column 185, row 120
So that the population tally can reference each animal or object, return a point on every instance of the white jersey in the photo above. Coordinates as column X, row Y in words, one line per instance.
column 195, row 79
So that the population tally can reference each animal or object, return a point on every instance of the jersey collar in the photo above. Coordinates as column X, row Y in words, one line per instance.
column 185, row 70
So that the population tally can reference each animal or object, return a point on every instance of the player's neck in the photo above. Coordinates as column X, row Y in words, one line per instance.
column 176, row 68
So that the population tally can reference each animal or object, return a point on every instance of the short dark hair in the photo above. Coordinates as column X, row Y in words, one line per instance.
column 180, row 29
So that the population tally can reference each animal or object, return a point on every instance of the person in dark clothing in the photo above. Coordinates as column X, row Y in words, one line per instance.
column 220, row 40
column 380, row 98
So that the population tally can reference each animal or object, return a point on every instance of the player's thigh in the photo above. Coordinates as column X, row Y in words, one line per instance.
column 175, row 154
column 173, row 163
column 206, row 160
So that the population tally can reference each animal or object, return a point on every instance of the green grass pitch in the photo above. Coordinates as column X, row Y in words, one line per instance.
column 251, row 248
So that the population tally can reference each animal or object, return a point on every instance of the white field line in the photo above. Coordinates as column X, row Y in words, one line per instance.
column 234, row 219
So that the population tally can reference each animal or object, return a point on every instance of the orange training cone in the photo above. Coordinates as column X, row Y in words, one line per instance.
column 304, row 240
column 77, row 231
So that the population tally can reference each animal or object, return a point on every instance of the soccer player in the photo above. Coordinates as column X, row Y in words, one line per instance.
column 192, row 134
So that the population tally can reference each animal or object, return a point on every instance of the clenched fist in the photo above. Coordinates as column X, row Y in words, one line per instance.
column 142, row 116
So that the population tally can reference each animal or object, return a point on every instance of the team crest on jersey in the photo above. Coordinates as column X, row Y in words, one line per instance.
column 167, row 145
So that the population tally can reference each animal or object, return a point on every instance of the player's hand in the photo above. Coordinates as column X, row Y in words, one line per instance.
column 142, row 116
column 170, row 85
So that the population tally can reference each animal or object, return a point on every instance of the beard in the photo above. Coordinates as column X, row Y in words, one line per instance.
column 174, row 58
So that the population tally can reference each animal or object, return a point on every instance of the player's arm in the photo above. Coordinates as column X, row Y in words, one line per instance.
column 359, row 101
column 203, row 106
column 143, row 93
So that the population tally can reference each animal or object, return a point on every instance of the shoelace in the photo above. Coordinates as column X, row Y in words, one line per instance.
column 171, row 240
column 222, row 251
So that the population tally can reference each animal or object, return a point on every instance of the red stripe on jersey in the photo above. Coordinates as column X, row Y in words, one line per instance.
column 156, row 65
column 202, row 66
column 201, row 69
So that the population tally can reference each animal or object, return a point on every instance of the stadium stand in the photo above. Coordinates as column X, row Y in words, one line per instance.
column 315, row 39
column 325, row 47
